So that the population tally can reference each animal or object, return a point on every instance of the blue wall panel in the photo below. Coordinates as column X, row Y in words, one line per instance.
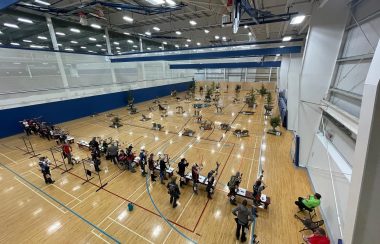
column 212, row 55
column 61, row 111
column 268, row 64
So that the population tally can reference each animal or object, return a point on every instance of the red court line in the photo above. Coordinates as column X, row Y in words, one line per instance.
column 196, row 225
column 125, row 199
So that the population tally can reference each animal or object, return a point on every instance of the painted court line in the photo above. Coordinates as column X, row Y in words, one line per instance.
column 40, row 195
column 134, row 232
column 59, row 202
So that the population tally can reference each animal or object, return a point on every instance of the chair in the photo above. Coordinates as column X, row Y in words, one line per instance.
column 311, row 212
column 309, row 224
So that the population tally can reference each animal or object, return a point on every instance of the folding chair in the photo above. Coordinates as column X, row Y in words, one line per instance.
column 309, row 224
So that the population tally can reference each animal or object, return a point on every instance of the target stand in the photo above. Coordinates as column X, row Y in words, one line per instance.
column 89, row 173
column 28, row 147
column 59, row 160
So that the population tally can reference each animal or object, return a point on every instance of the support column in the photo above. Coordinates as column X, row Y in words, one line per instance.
column 108, row 43
column 141, row 45
column 325, row 35
column 362, row 219
column 53, row 39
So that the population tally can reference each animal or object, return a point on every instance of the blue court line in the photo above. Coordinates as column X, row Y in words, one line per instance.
column 63, row 205
column 163, row 217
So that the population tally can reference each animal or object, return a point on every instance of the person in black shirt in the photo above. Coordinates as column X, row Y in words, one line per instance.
column 173, row 191
column 163, row 169
column 151, row 167
column 181, row 171
column 210, row 184
column 94, row 144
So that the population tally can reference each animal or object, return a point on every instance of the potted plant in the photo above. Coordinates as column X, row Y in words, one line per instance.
column 262, row 91
column 130, row 99
column 268, row 106
column 275, row 122
column 251, row 101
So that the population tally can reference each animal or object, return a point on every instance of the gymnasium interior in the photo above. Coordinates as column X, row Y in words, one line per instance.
column 189, row 121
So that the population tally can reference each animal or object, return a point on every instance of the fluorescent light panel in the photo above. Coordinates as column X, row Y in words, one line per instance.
column 130, row 41
column 155, row 2
column 42, row 37
column 15, row 44
column 74, row 42
column 60, row 33
column 192, row 22
column 156, row 28
column 42, row 2
column 11, row 25
column 96, row 26
column 28, row 21
column 29, row 41
column 170, row 2
column 297, row 20
column 207, row 31
column 148, row 33
column 75, row 30
column 165, row 43
column 178, row 32
column 286, row 38
column 128, row 19
column 92, row 39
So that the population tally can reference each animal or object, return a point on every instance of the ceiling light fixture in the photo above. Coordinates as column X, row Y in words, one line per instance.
column 116, row 43
column 26, row 40
column 165, row 43
column 224, row 38
column 128, row 19
column 297, row 20
column 42, row 37
column 249, row 33
column 186, row 45
column 207, row 31
column 148, row 33
column 118, row 48
column 28, row 21
column 11, row 25
column 83, row 47
column 245, row 26
column 135, row 46
column 69, row 49
column 74, row 42
column 286, row 38
column 98, row 45
column 15, row 44
column 127, row 33
column 170, row 2
column 177, row 46
column 37, row 46
column 188, row 40
column 198, row 43
column 96, row 26
column 149, row 48
column 42, row 2
column 156, row 2
column 130, row 41
column 75, row 30
column 217, row 37
column 92, row 39
column 60, row 33
column 282, row 46
column 192, row 22
column 178, row 32
column 156, row 28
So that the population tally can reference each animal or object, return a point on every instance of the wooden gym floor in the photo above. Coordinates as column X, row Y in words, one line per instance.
column 33, row 212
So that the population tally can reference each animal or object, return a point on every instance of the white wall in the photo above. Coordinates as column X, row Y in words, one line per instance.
column 33, row 77
column 322, row 47
column 334, row 186
column 289, row 81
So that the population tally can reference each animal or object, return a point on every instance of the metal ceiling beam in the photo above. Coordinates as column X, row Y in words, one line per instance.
column 6, row 3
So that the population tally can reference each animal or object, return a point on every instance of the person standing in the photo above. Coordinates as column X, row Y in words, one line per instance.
column 66, row 150
column 173, row 191
column 243, row 217
column 94, row 144
column 112, row 152
column 195, row 176
column 142, row 161
column 95, row 157
column 162, row 169
column 151, row 167
column 181, row 171
column 44, row 164
column 233, row 186
column 210, row 184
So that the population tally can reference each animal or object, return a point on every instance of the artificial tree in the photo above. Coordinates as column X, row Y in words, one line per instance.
column 130, row 98
column 268, row 102
column 262, row 91
column 275, row 122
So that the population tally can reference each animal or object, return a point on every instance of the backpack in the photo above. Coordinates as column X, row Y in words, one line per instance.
column 172, row 188
column 232, row 181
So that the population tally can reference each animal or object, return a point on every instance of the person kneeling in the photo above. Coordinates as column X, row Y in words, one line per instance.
column 309, row 203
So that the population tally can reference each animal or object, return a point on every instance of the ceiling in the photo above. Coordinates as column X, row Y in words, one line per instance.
column 124, row 35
